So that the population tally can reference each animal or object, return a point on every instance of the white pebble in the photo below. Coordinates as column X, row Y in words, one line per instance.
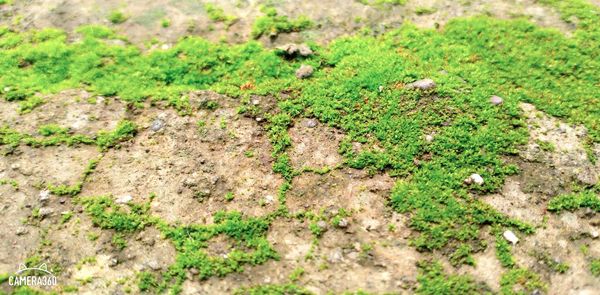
column 496, row 100
column 511, row 237
column 476, row 178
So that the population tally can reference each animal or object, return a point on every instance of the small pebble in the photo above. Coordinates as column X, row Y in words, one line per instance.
column 322, row 224
column 343, row 223
column 496, row 100
column 124, row 199
column 157, row 125
column 304, row 71
column 153, row 264
column 311, row 123
column 44, row 195
column 474, row 178
column 425, row 84
column 45, row 212
column 511, row 237
column 21, row 231
column 269, row 199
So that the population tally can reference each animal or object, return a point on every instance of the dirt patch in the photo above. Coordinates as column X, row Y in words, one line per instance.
column 192, row 167
column 314, row 145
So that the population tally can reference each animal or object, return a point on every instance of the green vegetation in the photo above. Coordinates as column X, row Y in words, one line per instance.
column 117, row 17
column 595, row 267
column 433, row 280
column 425, row 10
column 75, row 189
column 574, row 201
column 53, row 135
column 165, row 23
column 503, row 251
column 287, row 289
column 359, row 87
column 379, row 3
column 11, row 182
column 217, row 14
column 272, row 23
column 521, row 279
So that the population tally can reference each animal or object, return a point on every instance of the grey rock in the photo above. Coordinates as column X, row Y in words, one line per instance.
column 304, row 71
column 371, row 225
column 322, row 224
column 335, row 255
column 44, row 195
column 124, row 199
column 311, row 123
column 113, row 262
column 21, row 231
column 425, row 84
column 45, row 212
column 496, row 100
column 296, row 49
column 153, row 264
column 269, row 199
column 157, row 125
column 587, row 177
column 343, row 223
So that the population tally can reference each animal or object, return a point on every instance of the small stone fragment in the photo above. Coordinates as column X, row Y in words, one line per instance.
column 335, row 255
column 44, row 195
column 511, row 237
column 311, row 123
column 595, row 234
column 44, row 212
column 296, row 49
column 124, row 199
column 425, row 84
column 157, row 125
column 496, row 100
column 371, row 225
column 269, row 199
column 304, row 71
column 474, row 178
column 429, row 138
column 21, row 231
column 322, row 224
column 343, row 223
column 153, row 264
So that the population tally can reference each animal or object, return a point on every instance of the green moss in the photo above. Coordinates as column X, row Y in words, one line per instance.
column 425, row 10
column 574, row 201
column 595, row 267
column 125, row 130
column 29, row 104
column 284, row 289
column 108, row 215
column 11, row 182
column 165, row 23
column 117, row 17
column 432, row 280
column 521, row 281
column 503, row 251
column 358, row 87
column 272, row 23
column 217, row 14
column 546, row 145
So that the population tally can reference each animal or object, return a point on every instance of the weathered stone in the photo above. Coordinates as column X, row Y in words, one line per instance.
column 304, row 71
column 425, row 84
